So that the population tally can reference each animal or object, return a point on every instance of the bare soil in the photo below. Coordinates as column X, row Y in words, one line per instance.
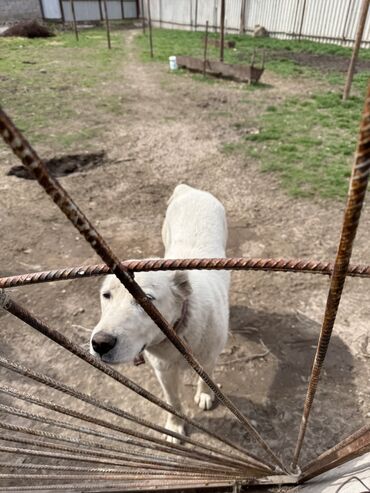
column 173, row 131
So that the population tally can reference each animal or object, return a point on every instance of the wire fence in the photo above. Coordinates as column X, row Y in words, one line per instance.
column 192, row 463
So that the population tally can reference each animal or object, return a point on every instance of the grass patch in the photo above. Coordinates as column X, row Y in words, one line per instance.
column 47, row 85
column 310, row 143
column 169, row 42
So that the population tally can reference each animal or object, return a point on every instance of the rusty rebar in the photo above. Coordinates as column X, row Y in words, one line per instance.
column 187, row 453
column 51, row 382
column 257, row 264
column 52, row 467
column 79, row 429
column 89, row 431
column 161, row 485
column 111, row 452
column 33, row 163
column 241, row 263
column 357, row 191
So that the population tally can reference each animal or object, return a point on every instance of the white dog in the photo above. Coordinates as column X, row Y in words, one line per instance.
column 194, row 302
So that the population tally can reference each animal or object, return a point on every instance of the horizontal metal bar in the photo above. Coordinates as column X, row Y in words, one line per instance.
column 305, row 266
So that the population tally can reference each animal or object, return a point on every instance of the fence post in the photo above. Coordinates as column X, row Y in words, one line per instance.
column 196, row 15
column 61, row 10
column 42, row 10
column 107, row 23
column 101, row 11
column 205, row 50
column 143, row 15
column 242, row 18
column 302, row 19
column 150, row 30
column 356, row 48
column 122, row 10
column 74, row 18
column 222, row 27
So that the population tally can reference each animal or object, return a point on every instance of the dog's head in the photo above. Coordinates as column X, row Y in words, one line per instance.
column 124, row 329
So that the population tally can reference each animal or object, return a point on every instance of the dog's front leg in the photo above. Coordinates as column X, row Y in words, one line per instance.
column 170, row 380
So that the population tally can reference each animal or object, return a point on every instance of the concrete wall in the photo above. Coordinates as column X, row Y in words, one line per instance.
column 19, row 9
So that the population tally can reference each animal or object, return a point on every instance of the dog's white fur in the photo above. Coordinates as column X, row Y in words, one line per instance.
column 195, row 226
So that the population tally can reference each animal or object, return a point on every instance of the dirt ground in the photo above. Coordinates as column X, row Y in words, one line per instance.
column 172, row 132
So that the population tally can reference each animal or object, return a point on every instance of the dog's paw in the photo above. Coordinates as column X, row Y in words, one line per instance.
column 177, row 428
column 204, row 400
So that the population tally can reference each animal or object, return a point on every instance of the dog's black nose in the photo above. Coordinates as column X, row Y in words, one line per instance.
column 102, row 342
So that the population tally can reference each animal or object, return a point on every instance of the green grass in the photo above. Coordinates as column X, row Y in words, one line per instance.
column 310, row 143
column 169, row 42
column 47, row 85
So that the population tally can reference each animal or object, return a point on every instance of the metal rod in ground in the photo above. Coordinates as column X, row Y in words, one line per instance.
column 222, row 34
column 205, row 50
column 357, row 191
column 351, row 447
column 107, row 26
column 356, row 49
column 302, row 20
column 74, row 18
column 44, row 379
column 20, row 146
column 150, row 29
column 260, row 264
column 143, row 16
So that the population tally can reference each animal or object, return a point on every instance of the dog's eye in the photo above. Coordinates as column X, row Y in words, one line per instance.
column 150, row 297
column 107, row 295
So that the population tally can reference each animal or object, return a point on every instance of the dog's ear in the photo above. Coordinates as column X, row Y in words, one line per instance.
column 181, row 285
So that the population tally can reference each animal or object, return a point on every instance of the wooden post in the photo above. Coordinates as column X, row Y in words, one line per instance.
column 61, row 10
column 222, row 25
column 42, row 10
column 242, row 18
column 74, row 18
column 356, row 48
column 150, row 30
column 205, row 50
column 107, row 23
column 196, row 15
column 143, row 15
column 101, row 11
column 302, row 19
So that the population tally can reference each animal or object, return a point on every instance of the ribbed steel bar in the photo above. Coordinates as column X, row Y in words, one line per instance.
column 89, row 431
column 46, row 380
column 357, row 191
column 241, row 263
column 104, row 477
column 351, row 447
column 187, row 453
column 87, row 455
column 33, row 163
column 107, row 452
column 156, row 459
column 127, row 486
column 51, row 467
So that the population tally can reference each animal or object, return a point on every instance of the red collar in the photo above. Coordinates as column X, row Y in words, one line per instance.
column 139, row 359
